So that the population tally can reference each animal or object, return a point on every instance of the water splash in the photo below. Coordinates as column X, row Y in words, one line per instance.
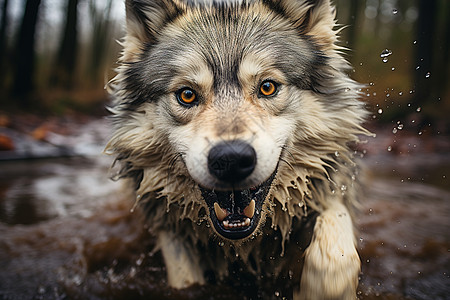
column 385, row 54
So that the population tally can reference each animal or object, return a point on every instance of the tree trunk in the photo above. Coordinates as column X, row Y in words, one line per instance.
column 353, row 21
column 3, row 28
column 423, row 76
column 64, row 69
column 101, row 35
column 24, row 54
column 4, row 66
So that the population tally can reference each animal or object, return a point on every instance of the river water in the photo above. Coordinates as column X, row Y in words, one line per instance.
column 67, row 233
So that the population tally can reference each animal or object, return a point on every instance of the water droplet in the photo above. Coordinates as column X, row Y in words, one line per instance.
column 343, row 187
column 400, row 93
column 415, row 42
column 336, row 153
column 393, row 68
column 420, row 132
column 400, row 126
column 419, row 109
column 380, row 111
column 394, row 11
column 385, row 53
column 277, row 293
column 427, row 75
column 221, row 244
column 389, row 148
column 394, row 131
column 418, row 67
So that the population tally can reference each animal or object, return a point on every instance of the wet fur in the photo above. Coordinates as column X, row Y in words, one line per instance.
column 224, row 48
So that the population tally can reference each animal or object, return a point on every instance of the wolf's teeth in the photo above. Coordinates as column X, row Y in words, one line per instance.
column 220, row 212
column 249, row 211
column 229, row 225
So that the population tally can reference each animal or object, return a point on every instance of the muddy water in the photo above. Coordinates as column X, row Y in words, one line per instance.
column 65, row 233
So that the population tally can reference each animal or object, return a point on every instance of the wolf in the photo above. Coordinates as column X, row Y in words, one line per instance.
column 233, row 123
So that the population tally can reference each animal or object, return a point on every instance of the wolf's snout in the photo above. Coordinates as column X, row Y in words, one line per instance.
column 232, row 161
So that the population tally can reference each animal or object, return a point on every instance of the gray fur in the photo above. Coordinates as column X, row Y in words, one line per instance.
column 167, row 44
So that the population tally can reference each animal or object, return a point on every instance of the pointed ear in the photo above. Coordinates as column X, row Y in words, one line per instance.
column 315, row 18
column 146, row 18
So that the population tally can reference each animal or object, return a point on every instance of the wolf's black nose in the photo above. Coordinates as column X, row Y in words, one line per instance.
column 231, row 161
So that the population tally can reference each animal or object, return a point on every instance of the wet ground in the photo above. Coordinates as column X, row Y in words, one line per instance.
column 66, row 233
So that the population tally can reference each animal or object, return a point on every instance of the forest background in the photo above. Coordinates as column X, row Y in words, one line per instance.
column 57, row 55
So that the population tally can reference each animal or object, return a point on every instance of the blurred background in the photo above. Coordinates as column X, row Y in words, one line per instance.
column 64, row 231
column 56, row 55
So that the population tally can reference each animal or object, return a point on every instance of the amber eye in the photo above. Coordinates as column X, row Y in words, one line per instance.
column 268, row 88
column 186, row 96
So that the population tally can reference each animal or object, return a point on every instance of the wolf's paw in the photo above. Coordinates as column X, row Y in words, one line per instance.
column 332, row 263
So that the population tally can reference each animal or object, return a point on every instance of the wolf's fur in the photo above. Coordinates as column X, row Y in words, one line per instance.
column 224, row 50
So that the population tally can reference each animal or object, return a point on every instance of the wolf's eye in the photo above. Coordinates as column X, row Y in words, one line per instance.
column 186, row 96
column 268, row 88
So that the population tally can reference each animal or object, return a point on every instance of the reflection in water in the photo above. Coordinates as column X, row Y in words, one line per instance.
column 34, row 191
column 66, row 234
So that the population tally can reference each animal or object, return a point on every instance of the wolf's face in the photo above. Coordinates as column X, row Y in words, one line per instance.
column 226, row 87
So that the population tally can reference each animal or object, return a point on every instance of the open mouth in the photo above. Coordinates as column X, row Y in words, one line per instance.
column 236, row 214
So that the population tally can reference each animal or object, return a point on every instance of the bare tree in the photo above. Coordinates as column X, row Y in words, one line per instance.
column 3, row 44
column 353, row 20
column 101, row 36
column 25, row 52
column 64, row 68
column 424, row 50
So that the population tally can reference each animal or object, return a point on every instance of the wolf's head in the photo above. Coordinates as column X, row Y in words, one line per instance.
column 216, row 99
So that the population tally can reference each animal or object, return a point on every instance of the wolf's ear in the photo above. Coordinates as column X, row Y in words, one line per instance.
column 146, row 18
column 315, row 18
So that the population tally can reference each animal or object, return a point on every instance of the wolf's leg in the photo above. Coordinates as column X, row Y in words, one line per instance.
column 332, row 263
column 182, row 262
